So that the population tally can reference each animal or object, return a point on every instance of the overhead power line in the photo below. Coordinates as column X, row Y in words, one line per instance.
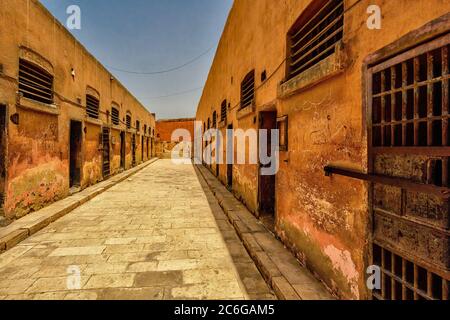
column 173, row 94
column 163, row 71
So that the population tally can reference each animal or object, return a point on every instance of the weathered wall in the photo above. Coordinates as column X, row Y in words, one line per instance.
column 324, row 220
column 38, row 147
column 164, row 130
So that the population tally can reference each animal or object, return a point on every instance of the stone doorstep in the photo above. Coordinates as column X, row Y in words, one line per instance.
column 21, row 229
column 278, row 266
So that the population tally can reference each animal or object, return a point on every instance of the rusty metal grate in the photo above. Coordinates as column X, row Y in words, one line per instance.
column 402, row 279
column 92, row 106
column 410, row 102
column 248, row 89
column 314, row 35
column 35, row 83
column 115, row 116
column 128, row 121
column 223, row 111
column 409, row 144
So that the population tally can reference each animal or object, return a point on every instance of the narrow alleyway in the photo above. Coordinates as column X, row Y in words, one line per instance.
column 153, row 236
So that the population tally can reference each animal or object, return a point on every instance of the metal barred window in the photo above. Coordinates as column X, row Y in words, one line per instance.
column 314, row 35
column 128, row 121
column 223, row 111
column 115, row 116
column 35, row 83
column 248, row 89
column 92, row 107
column 214, row 121
column 410, row 150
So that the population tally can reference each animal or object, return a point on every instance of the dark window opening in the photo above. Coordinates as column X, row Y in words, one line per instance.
column 128, row 121
column 115, row 116
column 314, row 35
column 214, row 121
column 248, row 89
column 92, row 106
column 223, row 111
column 138, row 126
column 35, row 83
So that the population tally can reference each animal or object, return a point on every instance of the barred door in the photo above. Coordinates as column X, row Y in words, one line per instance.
column 106, row 153
column 409, row 146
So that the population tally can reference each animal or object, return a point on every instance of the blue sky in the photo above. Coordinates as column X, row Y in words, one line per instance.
column 152, row 35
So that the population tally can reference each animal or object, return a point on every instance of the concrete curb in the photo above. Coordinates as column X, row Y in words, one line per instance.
column 282, row 271
column 21, row 229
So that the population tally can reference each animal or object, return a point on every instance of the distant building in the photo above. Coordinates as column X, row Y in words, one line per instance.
column 165, row 129
column 65, row 122
column 346, row 98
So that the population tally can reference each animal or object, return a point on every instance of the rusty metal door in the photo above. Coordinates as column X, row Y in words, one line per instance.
column 409, row 152
column 106, row 153
column 2, row 156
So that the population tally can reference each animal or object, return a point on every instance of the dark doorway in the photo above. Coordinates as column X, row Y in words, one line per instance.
column 142, row 149
column 122, row 150
column 133, row 150
column 148, row 151
column 268, row 121
column 75, row 153
column 106, row 154
column 230, row 157
column 2, row 156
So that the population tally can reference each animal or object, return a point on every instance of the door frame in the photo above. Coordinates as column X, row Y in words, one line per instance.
column 395, row 50
column 123, row 149
column 81, row 148
column 269, row 109
column 5, row 153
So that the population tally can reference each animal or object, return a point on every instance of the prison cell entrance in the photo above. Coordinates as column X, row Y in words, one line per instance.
column 2, row 156
column 266, row 190
column 142, row 148
column 75, row 153
column 133, row 150
column 122, row 150
column 409, row 152
column 106, row 153
column 230, row 157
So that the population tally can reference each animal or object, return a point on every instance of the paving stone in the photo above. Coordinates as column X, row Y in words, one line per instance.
column 110, row 281
column 152, row 236
column 14, row 237
column 283, row 289
column 159, row 278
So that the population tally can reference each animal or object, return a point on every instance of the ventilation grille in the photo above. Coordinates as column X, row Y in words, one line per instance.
column 115, row 116
column 214, row 121
column 35, row 83
column 248, row 90
column 128, row 121
column 313, row 40
column 92, row 107
column 223, row 111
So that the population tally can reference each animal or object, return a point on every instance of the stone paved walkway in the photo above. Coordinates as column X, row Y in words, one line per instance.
column 157, row 235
